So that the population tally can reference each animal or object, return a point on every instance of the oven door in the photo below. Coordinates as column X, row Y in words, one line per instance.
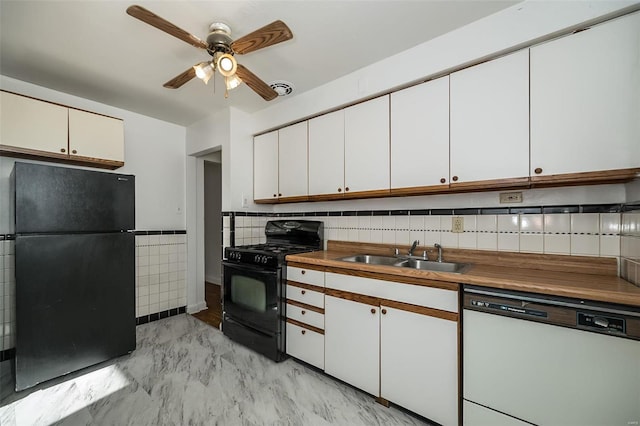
column 251, row 296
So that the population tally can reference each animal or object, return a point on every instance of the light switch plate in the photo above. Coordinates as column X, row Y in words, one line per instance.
column 510, row 197
column 457, row 225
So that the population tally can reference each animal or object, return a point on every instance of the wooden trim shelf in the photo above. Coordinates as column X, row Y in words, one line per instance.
column 378, row 301
column 30, row 154
column 305, row 306
column 306, row 326
column 585, row 178
column 306, row 286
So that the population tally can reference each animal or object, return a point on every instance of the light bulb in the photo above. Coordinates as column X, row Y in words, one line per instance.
column 204, row 71
column 227, row 65
column 233, row 81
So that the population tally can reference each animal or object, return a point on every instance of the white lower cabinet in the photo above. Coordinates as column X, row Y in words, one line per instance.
column 306, row 345
column 352, row 343
column 419, row 363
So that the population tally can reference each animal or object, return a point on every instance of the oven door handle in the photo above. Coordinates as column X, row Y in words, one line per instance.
column 245, row 267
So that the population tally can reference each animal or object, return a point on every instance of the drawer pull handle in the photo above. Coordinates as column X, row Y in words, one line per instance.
column 455, row 178
column 384, row 312
column 538, row 171
column 373, row 311
column 303, row 272
column 339, row 189
column 303, row 312
column 74, row 152
column 63, row 150
column 302, row 291
column 347, row 188
column 443, row 180
column 304, row 331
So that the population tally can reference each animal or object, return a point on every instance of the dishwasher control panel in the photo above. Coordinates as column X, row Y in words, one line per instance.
column 597, row 322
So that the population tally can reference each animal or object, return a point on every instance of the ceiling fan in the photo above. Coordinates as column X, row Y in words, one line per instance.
column 222, row 50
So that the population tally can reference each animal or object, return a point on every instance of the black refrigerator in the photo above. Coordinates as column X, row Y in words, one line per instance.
column 75, row 269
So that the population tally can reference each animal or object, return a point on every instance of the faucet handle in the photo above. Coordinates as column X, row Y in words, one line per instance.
column 424, row 255
column 396, row 252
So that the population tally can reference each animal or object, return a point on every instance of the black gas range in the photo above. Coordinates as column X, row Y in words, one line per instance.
column 254, row 291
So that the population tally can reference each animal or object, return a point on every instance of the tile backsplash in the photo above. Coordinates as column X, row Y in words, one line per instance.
column 575, row 232
column 630, row 245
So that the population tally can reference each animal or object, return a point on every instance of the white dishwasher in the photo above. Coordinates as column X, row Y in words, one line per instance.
column 534, row 359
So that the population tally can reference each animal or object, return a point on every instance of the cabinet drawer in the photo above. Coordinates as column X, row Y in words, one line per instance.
column 305, row 345
column 306, row 316
column 306, row 276
column 430, row 297
column 310, row 297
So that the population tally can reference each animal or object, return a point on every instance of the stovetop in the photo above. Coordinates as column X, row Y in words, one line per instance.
column 283, row 238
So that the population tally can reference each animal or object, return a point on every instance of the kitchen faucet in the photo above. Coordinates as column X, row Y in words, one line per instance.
column 413, row 247
column 439, row 247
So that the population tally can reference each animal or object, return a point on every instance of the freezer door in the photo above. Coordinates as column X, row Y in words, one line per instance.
column 60, row 199
column 75, row 303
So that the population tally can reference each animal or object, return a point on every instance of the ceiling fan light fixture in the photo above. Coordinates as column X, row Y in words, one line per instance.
column 227, row 65
column 204, row 71
column 233, row 81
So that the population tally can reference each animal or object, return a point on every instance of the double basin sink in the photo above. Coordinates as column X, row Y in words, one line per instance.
column 408, row 262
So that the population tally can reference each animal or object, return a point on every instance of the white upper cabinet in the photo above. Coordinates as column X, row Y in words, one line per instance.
column 420, row 135
column 585, row 100
column 326, row 154
column 265, row 166
column 366, row 146
column 33, row 125
column 490, row 120
column 95, row 136
column 292, row 155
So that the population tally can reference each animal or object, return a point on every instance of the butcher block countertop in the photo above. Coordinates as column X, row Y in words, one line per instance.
column 589, row 278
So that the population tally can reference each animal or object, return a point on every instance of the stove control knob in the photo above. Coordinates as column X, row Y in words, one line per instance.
column 256, row 258
column 265, row 259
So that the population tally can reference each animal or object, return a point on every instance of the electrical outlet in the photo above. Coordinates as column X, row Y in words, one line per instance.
column 457, row 224
column 245, row 202
column 510, row 197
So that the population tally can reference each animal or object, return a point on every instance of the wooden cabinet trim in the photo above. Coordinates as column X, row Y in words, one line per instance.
column 377, row 301
column 30, row 154
column 421, row 310
column 306, row 286
column 305, row 306
column 584, row 178
column 306, row 266
column 490, row 185
column 305, row 326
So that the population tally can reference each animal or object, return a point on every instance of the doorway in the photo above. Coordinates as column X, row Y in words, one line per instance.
column 212, row 240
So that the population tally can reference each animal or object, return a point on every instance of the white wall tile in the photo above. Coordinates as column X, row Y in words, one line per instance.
column 610, row 223
column 508, row 223
column 487, row 241
column 609, row 245
column 468, row 240
column 587, row 245
column 508, row 241
column 533, row 223
column 585, row 223
column 557, row 243
column 487, row 223
column 432, row 223
column 449, row 239
column 432, row 237
column 531, row 243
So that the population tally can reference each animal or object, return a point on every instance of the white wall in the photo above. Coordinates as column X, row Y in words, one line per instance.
column 154, row 153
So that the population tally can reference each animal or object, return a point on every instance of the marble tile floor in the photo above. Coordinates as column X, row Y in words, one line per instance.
column 185, row 372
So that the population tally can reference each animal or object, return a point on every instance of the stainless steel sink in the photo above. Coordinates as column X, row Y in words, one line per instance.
column 372, row 259
column 427, row 265
column 413, row 263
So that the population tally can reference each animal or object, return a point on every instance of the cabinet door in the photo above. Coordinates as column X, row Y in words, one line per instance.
column 95, row 136
column 326, row 154
column 352, row 343
column 420, row 135
column 419, row 364
column 585, row 108
column 265, row 166
column 366, row 146
column 33, row 125
column 292, row 160
column 490, row 120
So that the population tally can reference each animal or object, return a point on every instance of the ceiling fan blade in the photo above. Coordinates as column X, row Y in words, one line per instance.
column 275, row 32
column 257, row 85
column 181, row 79
column 154, row 20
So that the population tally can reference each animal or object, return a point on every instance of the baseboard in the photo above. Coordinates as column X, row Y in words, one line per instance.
column 213, row 280
column 197, row 307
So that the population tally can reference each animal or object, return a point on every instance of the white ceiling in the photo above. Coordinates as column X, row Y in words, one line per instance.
column 94, row 50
